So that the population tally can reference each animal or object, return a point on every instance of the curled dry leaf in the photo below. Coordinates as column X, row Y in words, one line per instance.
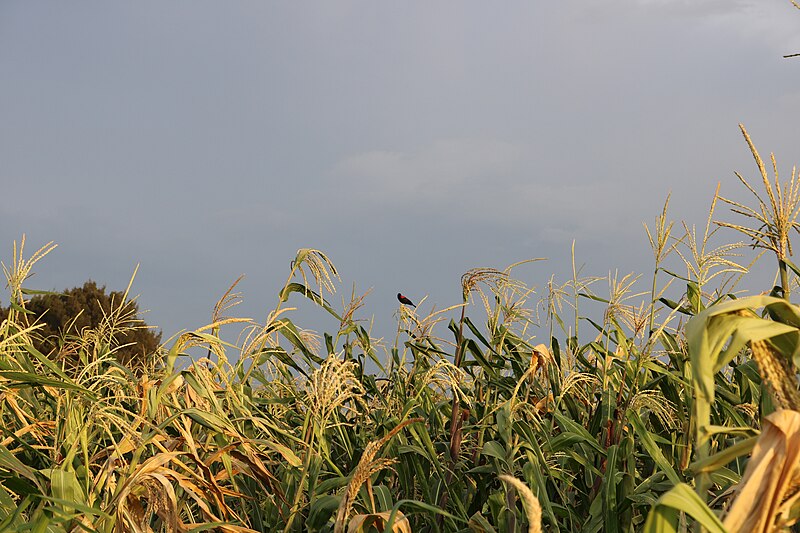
column 769, row 488
column 541, row 356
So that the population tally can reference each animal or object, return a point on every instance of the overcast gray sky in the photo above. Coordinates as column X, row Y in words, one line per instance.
column 410, row 141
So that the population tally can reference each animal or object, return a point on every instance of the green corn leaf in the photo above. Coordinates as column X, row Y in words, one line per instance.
column 665, row 514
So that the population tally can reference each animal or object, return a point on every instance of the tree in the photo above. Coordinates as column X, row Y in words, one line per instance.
column 69, row 315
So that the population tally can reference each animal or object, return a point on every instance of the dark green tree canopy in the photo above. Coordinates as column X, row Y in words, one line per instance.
column 66, row 315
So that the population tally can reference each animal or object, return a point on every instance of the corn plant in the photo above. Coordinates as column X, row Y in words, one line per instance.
column 579, row 408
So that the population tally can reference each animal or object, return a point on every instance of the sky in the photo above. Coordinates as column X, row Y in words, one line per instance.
column 409, row 141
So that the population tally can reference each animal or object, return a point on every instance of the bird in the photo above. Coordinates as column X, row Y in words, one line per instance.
column 404, row 300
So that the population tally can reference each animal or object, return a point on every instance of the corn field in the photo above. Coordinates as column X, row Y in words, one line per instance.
column 581, row 404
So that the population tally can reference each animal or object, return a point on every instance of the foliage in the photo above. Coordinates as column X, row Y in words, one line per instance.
column 580, row 411
column 65, row 315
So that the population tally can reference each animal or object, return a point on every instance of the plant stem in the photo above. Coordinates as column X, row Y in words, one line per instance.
column 784, row 278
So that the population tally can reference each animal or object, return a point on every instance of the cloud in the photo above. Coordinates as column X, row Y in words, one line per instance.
column 689, row 9
column 743, row 24
column 694, row 8
column 772, row 23
column 490, row 183
column 429, row 174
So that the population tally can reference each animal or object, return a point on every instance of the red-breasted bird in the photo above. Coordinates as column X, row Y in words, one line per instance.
column 404, row 300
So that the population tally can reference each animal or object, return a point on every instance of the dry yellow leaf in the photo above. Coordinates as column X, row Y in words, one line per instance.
column 768, row 490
